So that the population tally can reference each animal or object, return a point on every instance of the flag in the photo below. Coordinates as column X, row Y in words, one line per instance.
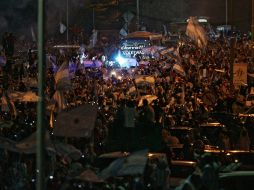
column 78, row 122
column 176, row 55
column 221, row 70
column 4, row 105
column 251, row 75
column 128, row 16
column 196, row 32
column 93, row 38
column 33, row 35
column 179, row 69
column 8, row 105
column 52, row 118
column 58, row 97
column 67, row 150
column 133, row 164
column 62, row 77
column 24, row 96
column 166, row 51
column 123, row 32
column 112, row 169
column 89, row 176
column 144, row 79
column 149, row 98
column 29, row 97
column 51, row 62
column 28, row 145
column 72, row 69
column 165, row 30
column 62, row 28
column 132, row 90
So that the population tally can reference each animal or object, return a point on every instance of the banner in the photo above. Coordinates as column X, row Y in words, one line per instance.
column 240, row 74
column 78, row 122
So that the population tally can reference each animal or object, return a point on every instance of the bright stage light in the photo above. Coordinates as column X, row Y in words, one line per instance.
column 113, row 73
column 120, row 60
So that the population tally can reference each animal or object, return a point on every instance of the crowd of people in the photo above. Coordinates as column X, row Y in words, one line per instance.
column 134, row 112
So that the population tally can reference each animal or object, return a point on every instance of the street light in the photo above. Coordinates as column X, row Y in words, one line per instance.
column 137, row 15
column 226, row 16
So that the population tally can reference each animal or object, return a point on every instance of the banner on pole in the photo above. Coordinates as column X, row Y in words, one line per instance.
column 240, row 74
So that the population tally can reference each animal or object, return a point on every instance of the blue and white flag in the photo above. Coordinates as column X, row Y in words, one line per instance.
column 33, row 34
column 133, row 164
column 93, row 39
column 196, row 32
column 62, row 77
column 179, row 69
column 62, row 28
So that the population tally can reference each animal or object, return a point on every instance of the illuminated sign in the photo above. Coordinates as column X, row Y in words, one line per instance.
column 131, row 47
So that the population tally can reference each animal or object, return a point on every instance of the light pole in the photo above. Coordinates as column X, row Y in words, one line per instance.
column 40, row 140
column 226, row 16
column 137, row 15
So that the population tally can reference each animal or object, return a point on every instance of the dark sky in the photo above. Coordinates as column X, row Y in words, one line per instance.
column 19, row 16
column 14, row 15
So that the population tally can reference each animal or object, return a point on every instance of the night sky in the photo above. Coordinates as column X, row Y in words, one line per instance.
column 19, row 16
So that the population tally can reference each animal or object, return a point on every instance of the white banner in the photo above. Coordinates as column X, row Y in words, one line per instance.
column 240, row 74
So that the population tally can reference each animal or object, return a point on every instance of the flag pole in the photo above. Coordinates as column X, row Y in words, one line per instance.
column 252, row 23
column 67, row 21
column 93, row 19
column 40, row 171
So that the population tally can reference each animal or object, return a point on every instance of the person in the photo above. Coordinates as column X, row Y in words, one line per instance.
column 243, row 141
column 168, row 138
column 146, row 125
column 210, row 171
column 160, row 174
column 193, row 182
column 158, row 112
column 130, row 114
column 147, row 115
column 224, row 140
